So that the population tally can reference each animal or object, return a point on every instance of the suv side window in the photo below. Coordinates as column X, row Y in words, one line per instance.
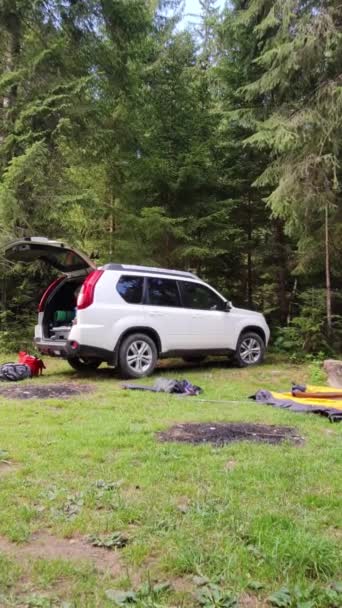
column 131, row 289
column 162, row 292
column 200, row 297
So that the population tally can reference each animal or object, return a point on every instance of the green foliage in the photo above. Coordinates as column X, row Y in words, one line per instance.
column 21, row 185
column 298, row 78
column 111, row 541
column 148, row 595
column 317, row 374
column 310, row 597
column 16, row 334
column 36, row 600
column 214, row 148
column 307, row 334
column 212, row 596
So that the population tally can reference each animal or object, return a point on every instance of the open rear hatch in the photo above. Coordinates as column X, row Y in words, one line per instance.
column 58, row 303
column 66, row 259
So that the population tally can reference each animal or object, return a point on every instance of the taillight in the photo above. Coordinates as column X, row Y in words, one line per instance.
column 86, row 295
column 47, row 293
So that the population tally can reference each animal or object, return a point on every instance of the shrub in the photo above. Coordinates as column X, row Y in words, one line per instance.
column 307, row 332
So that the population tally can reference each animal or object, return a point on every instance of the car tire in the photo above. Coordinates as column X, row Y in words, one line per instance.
column 137, row 356
column 250, row 349
column 194, row 358
column 83, row 364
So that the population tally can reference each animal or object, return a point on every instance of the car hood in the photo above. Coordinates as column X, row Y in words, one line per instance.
column 245, row 311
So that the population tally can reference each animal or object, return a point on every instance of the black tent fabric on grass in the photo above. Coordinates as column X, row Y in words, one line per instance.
column 13, row 372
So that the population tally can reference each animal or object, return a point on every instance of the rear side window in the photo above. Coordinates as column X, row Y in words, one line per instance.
column 199, row 297
column 131, row 289
column 163, row 292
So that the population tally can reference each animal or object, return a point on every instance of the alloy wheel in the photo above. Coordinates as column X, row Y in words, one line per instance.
column 139, row 356
column 250, row 351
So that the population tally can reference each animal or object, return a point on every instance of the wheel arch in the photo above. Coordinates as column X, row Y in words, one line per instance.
column 255, row 329
column 152, row 333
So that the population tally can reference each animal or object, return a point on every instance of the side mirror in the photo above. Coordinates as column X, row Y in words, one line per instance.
column 227, row 306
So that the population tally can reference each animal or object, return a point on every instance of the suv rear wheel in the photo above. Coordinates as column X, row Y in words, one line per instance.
column 250, row 349
column 82, row 364
column 137, row 356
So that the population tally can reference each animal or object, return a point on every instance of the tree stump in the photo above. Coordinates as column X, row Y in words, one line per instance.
column 334, row 372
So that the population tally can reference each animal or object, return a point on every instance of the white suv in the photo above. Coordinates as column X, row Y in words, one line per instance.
column 129, row 316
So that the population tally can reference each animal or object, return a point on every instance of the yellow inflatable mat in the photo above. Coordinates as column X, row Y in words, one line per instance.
column 323, row 400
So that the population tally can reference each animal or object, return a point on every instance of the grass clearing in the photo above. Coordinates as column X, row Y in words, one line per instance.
column 251, row 518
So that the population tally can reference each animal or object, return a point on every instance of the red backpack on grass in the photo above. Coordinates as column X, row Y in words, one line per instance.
column 36, row 365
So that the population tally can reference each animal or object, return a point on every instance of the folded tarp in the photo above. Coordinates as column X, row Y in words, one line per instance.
column 323, row 400
column 163, row 385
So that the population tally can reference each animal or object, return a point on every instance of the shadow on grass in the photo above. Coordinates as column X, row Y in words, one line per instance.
column 165, row 366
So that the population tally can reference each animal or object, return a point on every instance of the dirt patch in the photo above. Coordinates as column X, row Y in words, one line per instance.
column 7, row 467
column 250, row 601
column 45, row 391
column 334, row 532
column 181, row 585
column 230, row 465
column 46, row 596
column 45, row 546
column 221, row 433
column 183, row 503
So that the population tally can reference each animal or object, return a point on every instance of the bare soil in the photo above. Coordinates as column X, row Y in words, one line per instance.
column 250, row 601
column 7, row 467
column 230, row 465
column 221, row 433
column 45, row 391
column 43, row 545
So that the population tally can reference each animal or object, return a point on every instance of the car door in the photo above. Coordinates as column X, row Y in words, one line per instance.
column 210, row 324
column 164, row 313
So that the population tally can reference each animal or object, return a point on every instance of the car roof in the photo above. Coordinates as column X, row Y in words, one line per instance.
column 151, row 270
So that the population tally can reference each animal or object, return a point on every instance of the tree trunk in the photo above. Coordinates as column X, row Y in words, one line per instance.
column 291, row 302
column 12, row 51
column 327, row 272
column 3, row 294
column 280, row 260
column 111, row 225
column 249, row 256
column 12, row 44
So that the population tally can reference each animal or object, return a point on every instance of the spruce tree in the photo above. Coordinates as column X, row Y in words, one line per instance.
column 299, row 82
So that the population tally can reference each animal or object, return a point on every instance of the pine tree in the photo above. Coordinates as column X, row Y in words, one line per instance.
column 299, row 59
column 242, row 166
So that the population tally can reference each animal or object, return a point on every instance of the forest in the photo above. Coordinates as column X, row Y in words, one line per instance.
column 214, row 147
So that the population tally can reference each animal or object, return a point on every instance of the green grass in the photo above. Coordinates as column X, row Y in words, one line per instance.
column 273, row 515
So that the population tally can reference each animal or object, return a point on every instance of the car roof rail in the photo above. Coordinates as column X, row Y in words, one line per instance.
column 150, row 270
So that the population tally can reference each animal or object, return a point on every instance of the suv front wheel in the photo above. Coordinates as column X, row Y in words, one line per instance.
column 250, row 349
column 137, row 356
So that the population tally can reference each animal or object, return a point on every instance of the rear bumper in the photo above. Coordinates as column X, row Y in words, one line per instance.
column 53, row 348
column 88, row 352
column 63, row 348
